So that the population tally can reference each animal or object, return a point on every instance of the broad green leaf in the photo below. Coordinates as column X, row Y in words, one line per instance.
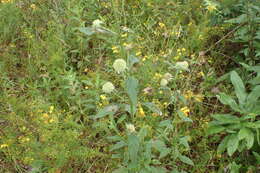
column 226, row 118
column 142, row 133
column 253, row 125
column 242, row 134
column 250, row 139
column 86, row 30
column 215, row 129
column 186, row 160
column 227, row 100
column 234, row 168
column 232, row 144
column 133, row 147
column 161, row 147
column 184, row 141
column 151, row 106
column 132, row 60
column 132, row 91
column 108, row 110
column 118, row 145
column 239, row 87
column 120, row 170
column 254, row 95
column 157, row 170
column 240, row 19
column 257, row 156
column 223, row 145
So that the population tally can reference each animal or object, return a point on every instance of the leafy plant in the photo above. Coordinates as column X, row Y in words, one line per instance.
column 242, row 130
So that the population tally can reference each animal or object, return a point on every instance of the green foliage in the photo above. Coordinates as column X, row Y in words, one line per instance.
column 243, row 130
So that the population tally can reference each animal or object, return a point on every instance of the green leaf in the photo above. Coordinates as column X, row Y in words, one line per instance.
column 239, row 87
column 215, row 129
column 226, row 118
column 232, row 144
column 161, row 147
column 242, row 134
column 184, row 141
column 223, row 145
column 108, row 110
column 257, row 156
column 132, row 60
column 151, row 106
column 250, row 139
column 118, row 145
column 132, row 91
column 186, row 160
column 227, row 100
column 120, row 170
column 86, row 30
column 254, row 95
column 240, row 19
column 133, row 147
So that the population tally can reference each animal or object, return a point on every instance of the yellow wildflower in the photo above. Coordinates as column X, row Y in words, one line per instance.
column 103, row 97
column 124, row 35
column 141, row 112
column 185, row 110
column 4, row 145
column 162, row 25
column 189, row 94
column 51, row 109
column 199, row 97
column 115, row 49
column 138, row 53
column 33, row 6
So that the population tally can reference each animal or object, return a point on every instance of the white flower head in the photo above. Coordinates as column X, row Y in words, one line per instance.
column 97, row 23
column 164, row 82
column 167, row 76
column 130, row 128
column 119, row 65
column 182, row 65
column 108, row 87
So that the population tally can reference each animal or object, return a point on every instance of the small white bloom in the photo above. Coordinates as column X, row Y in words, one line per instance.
column 97, row 23
column 182, row 65
column 119, row 65
column 108, row 87
column 130, row 128
column 164, row 82
column 167, row 76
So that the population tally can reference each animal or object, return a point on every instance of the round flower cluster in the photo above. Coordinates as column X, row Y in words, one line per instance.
column 108, row 87
column 130, row 128
column 165, row 80
column 183, row 65
column 119, row 65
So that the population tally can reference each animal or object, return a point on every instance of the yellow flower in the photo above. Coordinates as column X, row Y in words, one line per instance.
column 103, row 97
column 185, row 110
column 6, row 1
column 162, row 25
column 51, row 109
column 33, row 6
column 4, row 145
column 199, row 97
column 138, row 53
column 124, row 35
column 189, row 94
column 115, row 49
column 141, row 111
